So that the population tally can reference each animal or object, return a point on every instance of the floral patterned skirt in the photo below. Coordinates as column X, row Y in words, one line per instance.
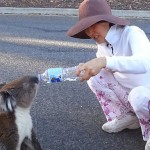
column 116, row 101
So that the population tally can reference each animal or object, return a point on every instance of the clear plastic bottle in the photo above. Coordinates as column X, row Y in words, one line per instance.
column 59, row 75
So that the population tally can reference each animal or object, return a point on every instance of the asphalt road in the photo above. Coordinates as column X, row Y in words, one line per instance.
column 66, row 115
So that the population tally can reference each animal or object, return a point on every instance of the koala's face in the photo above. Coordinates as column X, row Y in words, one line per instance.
column 19, row 92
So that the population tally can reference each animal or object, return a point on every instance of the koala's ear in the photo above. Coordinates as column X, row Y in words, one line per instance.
column 7, row 102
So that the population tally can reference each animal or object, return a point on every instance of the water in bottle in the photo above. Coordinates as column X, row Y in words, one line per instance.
column 59, row 75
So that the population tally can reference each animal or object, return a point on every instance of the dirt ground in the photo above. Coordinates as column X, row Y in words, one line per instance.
column 115, row 4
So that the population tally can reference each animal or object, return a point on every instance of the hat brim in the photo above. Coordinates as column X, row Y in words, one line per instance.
column 78, row 30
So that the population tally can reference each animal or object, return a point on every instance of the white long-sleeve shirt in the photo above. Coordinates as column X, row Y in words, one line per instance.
column 130, row 61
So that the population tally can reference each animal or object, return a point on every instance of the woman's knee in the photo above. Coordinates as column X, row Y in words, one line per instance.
column 93, row 83
column 99, row 78
column 138, row 97
column 97, row 82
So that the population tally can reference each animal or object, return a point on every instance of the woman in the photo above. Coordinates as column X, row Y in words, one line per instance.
column 119, row 76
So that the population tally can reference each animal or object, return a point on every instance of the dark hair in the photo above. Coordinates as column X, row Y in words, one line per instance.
column 103, row 21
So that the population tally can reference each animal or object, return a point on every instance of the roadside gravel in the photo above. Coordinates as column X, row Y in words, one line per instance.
column 115, row 4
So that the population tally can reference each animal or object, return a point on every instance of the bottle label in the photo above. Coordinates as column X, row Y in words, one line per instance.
column 55, row 74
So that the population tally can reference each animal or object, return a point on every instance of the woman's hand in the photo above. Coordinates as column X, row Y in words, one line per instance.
column 91, row 68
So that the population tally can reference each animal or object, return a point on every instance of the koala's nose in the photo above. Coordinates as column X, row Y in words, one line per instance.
column 34, row 79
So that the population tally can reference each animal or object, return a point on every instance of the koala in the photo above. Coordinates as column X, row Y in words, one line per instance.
column 16, row 128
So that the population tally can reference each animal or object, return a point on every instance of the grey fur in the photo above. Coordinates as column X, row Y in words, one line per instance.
column 18, row 93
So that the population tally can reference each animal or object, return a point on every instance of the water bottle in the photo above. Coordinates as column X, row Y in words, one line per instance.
column 59, row 75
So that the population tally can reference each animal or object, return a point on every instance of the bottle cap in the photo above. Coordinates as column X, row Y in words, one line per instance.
column 39, row 77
